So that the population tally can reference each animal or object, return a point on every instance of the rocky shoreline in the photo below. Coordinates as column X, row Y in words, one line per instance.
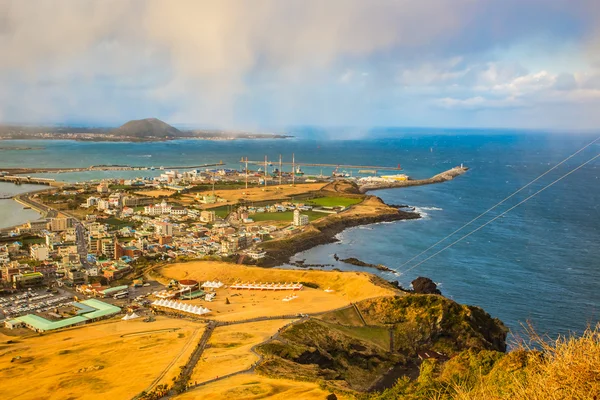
column 359, row 263
column 323, row 232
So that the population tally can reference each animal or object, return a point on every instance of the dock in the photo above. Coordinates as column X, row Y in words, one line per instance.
column 441, row 177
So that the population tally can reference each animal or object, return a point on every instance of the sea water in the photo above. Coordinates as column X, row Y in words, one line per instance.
column 538, row 263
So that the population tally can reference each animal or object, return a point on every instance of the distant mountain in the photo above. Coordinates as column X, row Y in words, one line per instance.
column 147, row 128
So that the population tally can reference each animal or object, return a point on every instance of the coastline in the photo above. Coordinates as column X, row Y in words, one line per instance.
column 13, row 211
column 324, row 231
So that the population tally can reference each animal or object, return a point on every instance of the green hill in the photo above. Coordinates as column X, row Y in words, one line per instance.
column 147, row 128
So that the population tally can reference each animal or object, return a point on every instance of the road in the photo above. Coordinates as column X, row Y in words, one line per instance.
column 50, row 212
column 24, row 198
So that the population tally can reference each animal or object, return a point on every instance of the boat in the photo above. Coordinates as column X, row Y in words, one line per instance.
column 275, row 172
column 299, row 172
column 337, row 174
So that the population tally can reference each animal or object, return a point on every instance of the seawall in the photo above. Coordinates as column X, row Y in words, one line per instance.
column 441, row 177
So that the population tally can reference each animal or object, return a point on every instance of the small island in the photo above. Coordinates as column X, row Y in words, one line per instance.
column 142, row 130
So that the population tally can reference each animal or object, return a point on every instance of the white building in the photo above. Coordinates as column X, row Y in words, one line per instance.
column 91, row 201
column 300, row 219
column 158, row 209
column 102, row 188
column 115, row 200
column 178, row 211
column 39, row 252
column 103, row 205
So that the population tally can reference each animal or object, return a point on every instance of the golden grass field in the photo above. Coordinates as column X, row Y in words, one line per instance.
column 260, row 193
column 230, row 348
column 254, row 387
column 348, row 287
column 111, row 359
column 155, row 193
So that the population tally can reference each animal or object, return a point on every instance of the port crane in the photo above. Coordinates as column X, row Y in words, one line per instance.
column 294, row 164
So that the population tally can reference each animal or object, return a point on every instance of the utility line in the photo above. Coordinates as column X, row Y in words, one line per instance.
column 499, row 215
column 501, row 202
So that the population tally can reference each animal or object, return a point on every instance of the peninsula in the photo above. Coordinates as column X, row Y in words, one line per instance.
column 143, row 130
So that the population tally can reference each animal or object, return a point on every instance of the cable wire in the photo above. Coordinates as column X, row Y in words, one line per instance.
column 500, row 202
column 503, row 213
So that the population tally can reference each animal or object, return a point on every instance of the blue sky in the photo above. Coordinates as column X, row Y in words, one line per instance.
column 271, row 64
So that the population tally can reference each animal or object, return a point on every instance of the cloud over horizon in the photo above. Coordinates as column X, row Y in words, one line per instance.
column 270, row 63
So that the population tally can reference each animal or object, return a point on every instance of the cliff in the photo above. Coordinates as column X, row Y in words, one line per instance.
column 352, row 349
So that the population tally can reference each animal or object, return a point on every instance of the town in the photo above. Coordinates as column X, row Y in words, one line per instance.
column 104, row 235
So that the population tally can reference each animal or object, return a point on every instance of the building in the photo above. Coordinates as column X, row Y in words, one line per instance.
column 158, row 209
column 163, row 229
column 46, row 269
column 91, row 201
column 115, row 200
column 37, row 226
column 60, row 224
column 103, row 205
column 39, row 252
column 102, row 188
column 97, row 245
column 300, row 219
column 85, row 311
column 51, row 239
column 8, row 271
column 65, row 249
column 208, row 216
column 27, row 280
column 256, row 254
column 76, row 277
column 131, row 201
column 210, row 199
column 108, row 248
column 177, row 210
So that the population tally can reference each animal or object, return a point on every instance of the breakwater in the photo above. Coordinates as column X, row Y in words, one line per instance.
column 441, row 177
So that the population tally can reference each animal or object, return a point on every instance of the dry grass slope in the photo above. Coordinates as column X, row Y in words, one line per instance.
column 113, row 359
column 348, row 287
column 567, row 368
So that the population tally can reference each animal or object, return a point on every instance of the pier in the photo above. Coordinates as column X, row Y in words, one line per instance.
column 23, row 171
column 18, row 180
column 441, row 177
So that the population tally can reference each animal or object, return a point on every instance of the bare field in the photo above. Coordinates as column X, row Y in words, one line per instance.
column 155, row 193
column 254, row 387
column 230, row 348
column 112, row 359
column 244, row 304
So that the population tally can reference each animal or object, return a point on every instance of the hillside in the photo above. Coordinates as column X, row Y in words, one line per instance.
column 567, row 368
column 351, row 349
column 147, row 128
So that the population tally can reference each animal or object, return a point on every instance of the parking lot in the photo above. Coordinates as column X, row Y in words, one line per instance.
column 40, row 300
column 32, row 301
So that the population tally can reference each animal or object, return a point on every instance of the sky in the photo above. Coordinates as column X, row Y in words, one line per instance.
column 260, row 64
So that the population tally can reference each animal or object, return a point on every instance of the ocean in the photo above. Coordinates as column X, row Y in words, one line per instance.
column 11, row 212
column 540, row 263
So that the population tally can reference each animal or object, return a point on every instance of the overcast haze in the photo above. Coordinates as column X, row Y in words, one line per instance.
column 273, row 63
